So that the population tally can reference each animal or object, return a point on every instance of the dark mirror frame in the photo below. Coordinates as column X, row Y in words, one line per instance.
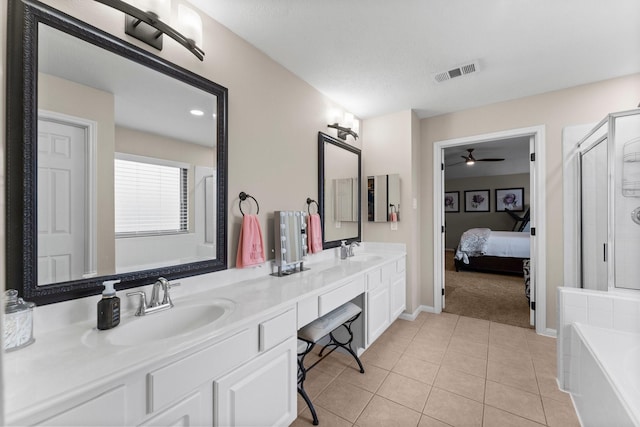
column 322, row 139
column 21, row 154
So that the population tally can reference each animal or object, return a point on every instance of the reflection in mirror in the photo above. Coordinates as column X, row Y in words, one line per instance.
column 383, row 198
column 136, row 191
column 339, row 189
column 128, row 164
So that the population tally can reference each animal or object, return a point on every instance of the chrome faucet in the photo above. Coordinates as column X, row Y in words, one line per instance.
column 155, row 304
column 351, row 248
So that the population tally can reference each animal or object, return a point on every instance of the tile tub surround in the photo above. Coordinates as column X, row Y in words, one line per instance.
column 59, row 366
column 605, row 375
column 619, row 310
column 443, row 370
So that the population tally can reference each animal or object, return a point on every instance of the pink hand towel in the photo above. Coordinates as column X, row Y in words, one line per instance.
column 314, row 230
column 394, row 217
column 250, row 245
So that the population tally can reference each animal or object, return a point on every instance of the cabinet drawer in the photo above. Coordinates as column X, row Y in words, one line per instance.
column 307, row 311
column 374, row 278
column 337, row 297
column 168, row 384
column 278, row 329
column 106, row 409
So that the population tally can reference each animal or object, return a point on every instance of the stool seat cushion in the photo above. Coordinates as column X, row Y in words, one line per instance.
column 327, row 323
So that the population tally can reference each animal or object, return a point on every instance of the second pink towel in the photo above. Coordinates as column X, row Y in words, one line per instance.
column 314, row 233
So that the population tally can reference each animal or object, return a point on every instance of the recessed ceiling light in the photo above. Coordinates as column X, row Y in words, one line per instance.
column 197, row 112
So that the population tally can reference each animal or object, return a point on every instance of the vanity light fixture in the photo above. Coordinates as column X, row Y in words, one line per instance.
column 197, row 112
column 346, row 128
column 147, row 27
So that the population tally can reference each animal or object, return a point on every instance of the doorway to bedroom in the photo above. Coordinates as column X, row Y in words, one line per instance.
column 488, row 196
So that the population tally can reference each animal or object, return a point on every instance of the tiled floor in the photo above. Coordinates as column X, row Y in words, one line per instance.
column 442, row 370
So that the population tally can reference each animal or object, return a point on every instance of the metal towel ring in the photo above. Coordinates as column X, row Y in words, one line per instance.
column 309, row 201
column 243, row 196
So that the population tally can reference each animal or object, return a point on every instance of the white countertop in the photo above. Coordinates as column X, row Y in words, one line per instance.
column 59, row 365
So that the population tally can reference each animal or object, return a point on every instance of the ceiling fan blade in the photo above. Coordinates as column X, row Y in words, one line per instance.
column 489, row 160
column 465, row 157
column 454, row 164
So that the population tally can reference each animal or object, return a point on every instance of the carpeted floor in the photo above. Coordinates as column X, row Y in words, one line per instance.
column 496, row 297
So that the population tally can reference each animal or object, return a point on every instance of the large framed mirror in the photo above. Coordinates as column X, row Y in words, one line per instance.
column 110, row 172
column 339, row 191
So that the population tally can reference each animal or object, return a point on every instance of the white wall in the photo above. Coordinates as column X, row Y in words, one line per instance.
column 555, row 110
column 391, row 146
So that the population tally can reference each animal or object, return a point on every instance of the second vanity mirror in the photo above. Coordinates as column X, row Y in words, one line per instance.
column 339, row 190
column 383, row 198
column 111, row 173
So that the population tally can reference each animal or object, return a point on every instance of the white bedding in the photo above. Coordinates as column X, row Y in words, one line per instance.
column 499, row 243
column 508, row 244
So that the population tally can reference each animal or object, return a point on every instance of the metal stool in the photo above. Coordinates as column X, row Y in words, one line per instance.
column 309, row 335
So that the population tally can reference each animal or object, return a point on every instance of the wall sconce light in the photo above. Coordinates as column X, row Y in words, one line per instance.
column 148, row 27
column 346, row 128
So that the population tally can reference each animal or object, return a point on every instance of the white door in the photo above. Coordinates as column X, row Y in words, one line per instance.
column 532, row 221
column 61, row 202
column 442, row 228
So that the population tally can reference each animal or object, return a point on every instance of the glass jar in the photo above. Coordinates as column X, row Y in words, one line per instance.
column 18, row 321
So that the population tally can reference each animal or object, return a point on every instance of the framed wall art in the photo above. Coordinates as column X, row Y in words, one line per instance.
column 510, row 198
column 452, row 201
column 476, row 201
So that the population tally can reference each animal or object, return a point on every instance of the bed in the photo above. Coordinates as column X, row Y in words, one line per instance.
column 482, row 249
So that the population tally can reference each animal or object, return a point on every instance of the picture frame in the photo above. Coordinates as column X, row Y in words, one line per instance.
column 451, row 201
column 477, row 201
column 509, row 199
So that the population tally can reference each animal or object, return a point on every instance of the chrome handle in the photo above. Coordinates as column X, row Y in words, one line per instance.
column 142, row 307
column 166, row 299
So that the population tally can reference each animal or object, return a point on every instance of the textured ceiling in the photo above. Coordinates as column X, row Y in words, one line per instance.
column 378, row 56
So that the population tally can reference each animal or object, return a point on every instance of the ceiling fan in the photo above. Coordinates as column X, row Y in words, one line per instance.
column 470, row 160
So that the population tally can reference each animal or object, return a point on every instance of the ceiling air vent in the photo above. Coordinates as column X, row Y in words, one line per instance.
column 458, row 71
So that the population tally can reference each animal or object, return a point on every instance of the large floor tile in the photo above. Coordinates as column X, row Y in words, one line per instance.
column 370, row 380
column 382, row 357
column 560, row 414
column 427, row 351
column 405, row 391
column 427, row 421
column 325, row 419
column 494, row 417
column 417, row 369
column 522, row 377
column 381, row 412
column 469, row 348
column 461, row 383
column 515, row 401
column 453, row 409
column 344, row 399
column 465, row 363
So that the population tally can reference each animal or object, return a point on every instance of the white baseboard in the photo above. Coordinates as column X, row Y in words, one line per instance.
column 550, row 333
column 414, row 315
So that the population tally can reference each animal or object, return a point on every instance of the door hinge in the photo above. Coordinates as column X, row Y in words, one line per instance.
column 442, row 291
column 604, row 252
column 533, row 157
column 443, row 228
column 533, row 305
column 441, row 166
column 533, row 231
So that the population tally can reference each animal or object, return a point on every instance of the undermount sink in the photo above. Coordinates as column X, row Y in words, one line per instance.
column 364, row 257
column 170, row 323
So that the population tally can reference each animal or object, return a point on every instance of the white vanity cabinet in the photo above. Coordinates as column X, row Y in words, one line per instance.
column 386, row 297
column 263, row 391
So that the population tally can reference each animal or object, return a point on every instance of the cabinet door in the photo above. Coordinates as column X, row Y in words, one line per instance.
column 398, row 296
column 377, row 312
column 260, row 393
column 187, row 412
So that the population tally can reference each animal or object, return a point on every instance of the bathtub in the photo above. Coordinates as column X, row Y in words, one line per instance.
column 604, row 376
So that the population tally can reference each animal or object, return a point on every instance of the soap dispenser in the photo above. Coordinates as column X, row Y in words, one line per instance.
column 109, row 306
